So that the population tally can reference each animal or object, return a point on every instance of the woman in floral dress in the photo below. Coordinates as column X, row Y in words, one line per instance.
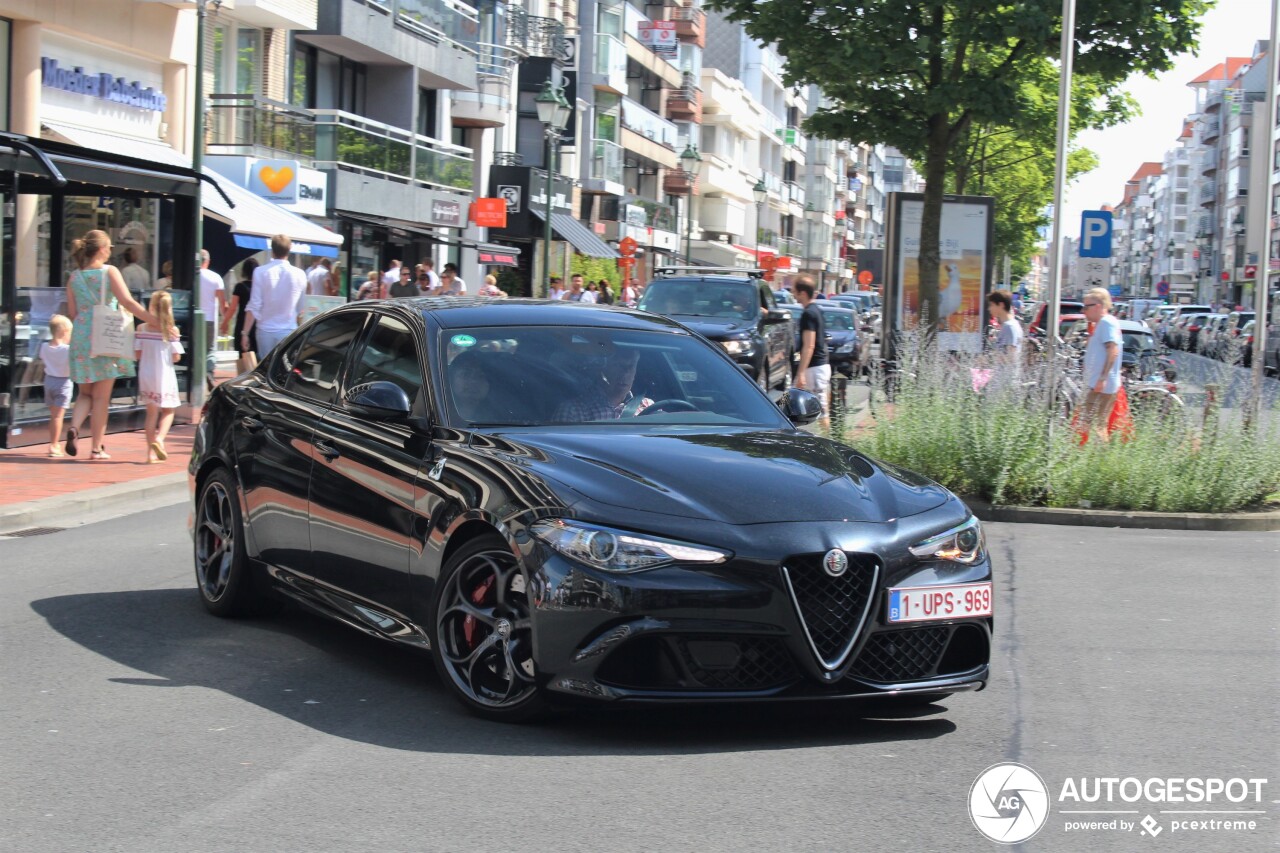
column 96, row 376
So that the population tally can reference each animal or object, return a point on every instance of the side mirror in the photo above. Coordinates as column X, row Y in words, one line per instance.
column 382, row 400
column 800, row 406
column 777, row 316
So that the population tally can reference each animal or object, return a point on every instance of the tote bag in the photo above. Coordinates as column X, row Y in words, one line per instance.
column 112, row 330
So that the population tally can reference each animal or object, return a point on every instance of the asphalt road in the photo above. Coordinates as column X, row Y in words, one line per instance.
column 134, row 721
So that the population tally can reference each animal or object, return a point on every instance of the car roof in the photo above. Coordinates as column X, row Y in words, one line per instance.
column 452, row 312
column 833, row 308
column 721, row 278
column 1134, row 326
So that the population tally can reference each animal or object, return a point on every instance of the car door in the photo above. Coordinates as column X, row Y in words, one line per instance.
column 777, row 335
column 362, row 501
column 274, row 434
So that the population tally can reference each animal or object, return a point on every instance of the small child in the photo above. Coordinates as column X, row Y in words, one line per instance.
column 158, row 350
column 56, row 355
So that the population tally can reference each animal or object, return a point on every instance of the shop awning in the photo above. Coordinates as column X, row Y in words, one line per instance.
column 253, row 220
column 578, row 235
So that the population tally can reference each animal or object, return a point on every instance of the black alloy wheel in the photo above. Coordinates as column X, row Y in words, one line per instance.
column 483, row 632
column 223, row 572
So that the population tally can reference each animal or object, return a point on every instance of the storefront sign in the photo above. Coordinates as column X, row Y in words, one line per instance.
column 447, row 213
column 489, row 212
column 102, row 85
column 275, row 180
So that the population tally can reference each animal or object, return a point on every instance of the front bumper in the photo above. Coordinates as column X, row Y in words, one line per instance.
column 737, row 631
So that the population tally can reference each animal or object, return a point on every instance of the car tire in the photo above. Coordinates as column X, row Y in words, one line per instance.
column 225, row 577
column 482, row 633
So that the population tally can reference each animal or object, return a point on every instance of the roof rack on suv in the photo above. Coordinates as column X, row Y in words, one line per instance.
column 665, row 271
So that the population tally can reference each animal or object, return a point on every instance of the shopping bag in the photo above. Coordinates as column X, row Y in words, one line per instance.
column 246, row 362
column 111, row 334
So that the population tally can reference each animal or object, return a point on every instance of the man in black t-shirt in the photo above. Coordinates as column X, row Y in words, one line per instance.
column 814, row 372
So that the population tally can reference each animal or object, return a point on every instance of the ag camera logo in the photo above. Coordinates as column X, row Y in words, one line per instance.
column 1009, row 803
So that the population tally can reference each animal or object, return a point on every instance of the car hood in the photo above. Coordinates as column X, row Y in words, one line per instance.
column 714, row 327
column 746, row 477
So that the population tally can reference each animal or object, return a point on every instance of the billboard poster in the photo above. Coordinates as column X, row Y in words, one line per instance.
column 965, row 251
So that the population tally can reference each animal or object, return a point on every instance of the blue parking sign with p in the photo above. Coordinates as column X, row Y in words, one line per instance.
column 1095, row 234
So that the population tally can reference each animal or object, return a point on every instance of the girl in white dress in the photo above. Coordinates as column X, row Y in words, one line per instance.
column 158, row 350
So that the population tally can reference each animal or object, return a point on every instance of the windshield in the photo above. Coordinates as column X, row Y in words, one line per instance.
column 733, row 300
column 1139, row 341
column 839, row 320
column 542, row 375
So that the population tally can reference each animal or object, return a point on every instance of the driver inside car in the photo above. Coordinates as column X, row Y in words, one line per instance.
column 610, row 396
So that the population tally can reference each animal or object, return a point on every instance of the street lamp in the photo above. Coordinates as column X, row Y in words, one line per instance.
column 553, row 112
column 691, row 162
column 761, row 192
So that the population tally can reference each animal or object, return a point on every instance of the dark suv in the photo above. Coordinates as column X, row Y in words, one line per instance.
column 736, row 311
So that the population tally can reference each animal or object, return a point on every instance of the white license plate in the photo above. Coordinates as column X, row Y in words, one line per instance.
column 927, row 603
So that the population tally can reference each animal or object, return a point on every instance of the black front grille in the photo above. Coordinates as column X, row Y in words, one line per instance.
column 736, row 663
column 908, row 655
column 699, row 662
column 832, row 609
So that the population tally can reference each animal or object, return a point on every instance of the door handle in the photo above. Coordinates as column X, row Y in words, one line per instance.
column 327, row 450
column 252, row 424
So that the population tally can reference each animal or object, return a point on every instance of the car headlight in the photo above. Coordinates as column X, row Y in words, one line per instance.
column 736, row 347
column 844, row 348
column 961, row 544
column 617, row 550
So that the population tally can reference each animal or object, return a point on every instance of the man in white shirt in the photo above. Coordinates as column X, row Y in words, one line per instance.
column 276, row 300
column 432, row 285
column 318, row 278
column 135, row 277
column 392, row 275
column 213, row 302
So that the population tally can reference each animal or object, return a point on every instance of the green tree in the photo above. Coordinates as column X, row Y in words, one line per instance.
column 919, row 74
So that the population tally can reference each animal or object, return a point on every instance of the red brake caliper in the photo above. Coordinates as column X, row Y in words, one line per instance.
column 469, row 623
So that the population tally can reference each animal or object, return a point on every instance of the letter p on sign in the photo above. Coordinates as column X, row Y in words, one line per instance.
column 1095, row 234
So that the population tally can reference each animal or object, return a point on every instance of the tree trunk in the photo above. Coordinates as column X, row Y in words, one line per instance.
column 930, row 256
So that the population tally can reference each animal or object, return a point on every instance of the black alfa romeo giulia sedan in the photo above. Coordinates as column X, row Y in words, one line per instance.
column 560, row 500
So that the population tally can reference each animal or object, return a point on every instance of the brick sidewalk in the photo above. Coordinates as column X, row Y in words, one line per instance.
column 29, row 474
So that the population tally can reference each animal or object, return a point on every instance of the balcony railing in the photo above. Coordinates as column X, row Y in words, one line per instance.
column 636, row 117
column 793, row 192
column 791, row 246
column 773, row 182
column 606, row 161
column 1209, row 130
column 535, row 36
column 1208, row 190
column 657, row 215
column 247, row 125
column 791, row 135
column 611, row 59
column 353, row 142
column 455, row 21
column 691, row 22
column 771, row 62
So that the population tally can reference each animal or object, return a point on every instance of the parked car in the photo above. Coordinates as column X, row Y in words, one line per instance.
column 1241, row 352
column 1158, row 321
column 1209, row 341
column 1231, row 341
column 784, row 297
column 1065, row 307
column 1186, row 330
column 844, row 343
column 408, row 467
column 738, row 312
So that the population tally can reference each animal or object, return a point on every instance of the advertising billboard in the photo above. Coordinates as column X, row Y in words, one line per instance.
column 964, row 267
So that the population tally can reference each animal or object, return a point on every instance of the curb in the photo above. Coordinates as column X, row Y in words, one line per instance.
column 1256, row 522
column 74, row 509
